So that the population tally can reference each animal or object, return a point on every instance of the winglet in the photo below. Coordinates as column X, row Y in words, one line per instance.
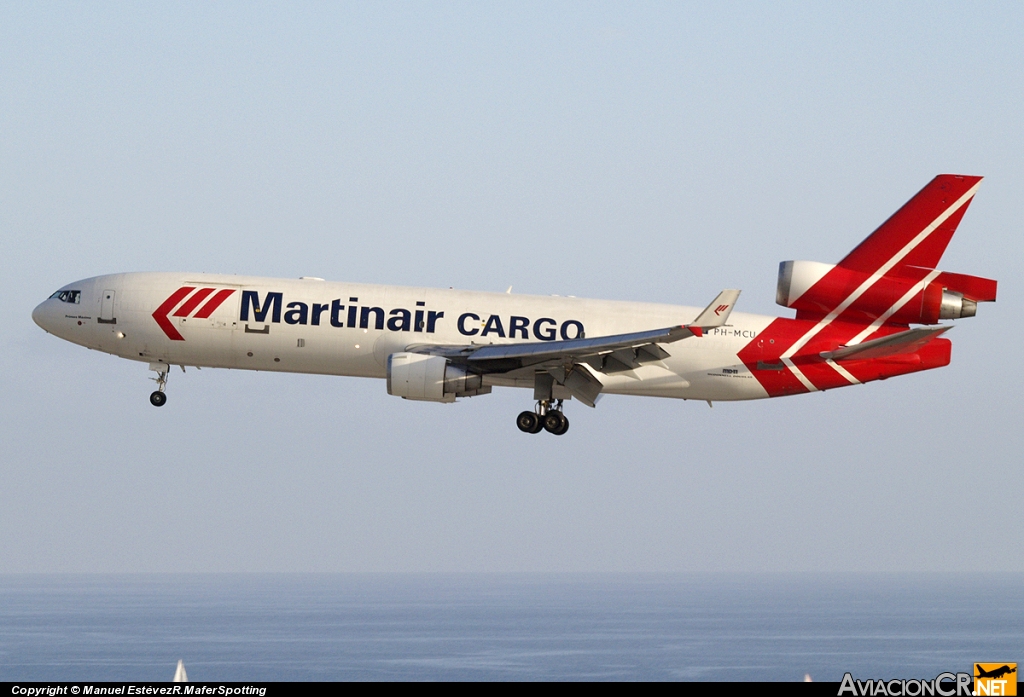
column 715, row 314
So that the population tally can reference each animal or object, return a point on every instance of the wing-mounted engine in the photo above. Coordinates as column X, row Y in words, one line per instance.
column 431, row 378
column 902, row 295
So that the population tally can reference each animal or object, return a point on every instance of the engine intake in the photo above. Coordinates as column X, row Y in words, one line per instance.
column 431, row 378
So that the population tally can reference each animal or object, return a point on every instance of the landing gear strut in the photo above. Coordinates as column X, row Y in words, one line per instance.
column 159, row 398
column 547, row 415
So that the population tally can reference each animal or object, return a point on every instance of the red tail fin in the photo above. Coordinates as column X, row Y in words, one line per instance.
column 918, row 233
column 891, row 277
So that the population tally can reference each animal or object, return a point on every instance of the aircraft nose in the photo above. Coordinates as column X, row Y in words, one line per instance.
column 40, row 315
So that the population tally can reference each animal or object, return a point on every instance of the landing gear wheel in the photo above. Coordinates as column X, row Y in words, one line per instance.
column 528, row 422
column 556, row 423
column 158, row 398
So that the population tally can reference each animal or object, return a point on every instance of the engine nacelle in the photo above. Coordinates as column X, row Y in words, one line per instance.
column 431, row 378
column 796, row 278
column 804, row 287
column 954, row 305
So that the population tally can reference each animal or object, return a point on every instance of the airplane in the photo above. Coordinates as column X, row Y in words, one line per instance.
column 996, row 673
column 852, row 326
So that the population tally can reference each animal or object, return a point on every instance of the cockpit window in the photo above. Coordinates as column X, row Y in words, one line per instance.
column 68, row 296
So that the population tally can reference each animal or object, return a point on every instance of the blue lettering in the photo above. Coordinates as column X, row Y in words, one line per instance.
column 462, row 324
column 544, row 334
column 318, row 310
column 251, row 298
column 571, row 323
column 378, row 317
column 297, row 313
column 336, row 308
column 519, row 324
column 493, row 326
column 399, row 320
column 432, row 318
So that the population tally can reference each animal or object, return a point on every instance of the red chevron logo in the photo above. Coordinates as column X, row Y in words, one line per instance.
column 720, row 309
column 163, row 313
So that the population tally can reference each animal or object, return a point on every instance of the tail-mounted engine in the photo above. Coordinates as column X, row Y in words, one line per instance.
column 431, row 378
column 905, row 295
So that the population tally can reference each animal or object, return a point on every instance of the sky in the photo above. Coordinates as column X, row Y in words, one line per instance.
column 632, row 151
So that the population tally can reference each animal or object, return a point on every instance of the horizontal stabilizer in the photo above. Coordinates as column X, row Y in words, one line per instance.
column 980, row 290
column 901, row 342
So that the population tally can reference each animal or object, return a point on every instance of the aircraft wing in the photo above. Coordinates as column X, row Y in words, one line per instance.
column 901, row 342
column 539, row 351
column 565, row 359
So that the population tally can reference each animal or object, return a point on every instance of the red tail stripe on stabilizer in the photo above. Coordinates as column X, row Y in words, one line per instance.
column 889, row 273
column 919, row 213
column 894, row 258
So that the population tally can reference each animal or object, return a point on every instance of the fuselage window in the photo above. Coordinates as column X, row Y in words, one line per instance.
column 68, row 296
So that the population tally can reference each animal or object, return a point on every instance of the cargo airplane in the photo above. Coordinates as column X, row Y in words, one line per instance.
column 853, row 324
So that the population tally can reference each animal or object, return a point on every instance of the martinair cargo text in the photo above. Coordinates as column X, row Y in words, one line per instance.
column 852, row 325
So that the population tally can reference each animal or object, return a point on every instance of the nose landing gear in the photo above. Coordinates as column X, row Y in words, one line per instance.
column 547, row 416
column 159, row 398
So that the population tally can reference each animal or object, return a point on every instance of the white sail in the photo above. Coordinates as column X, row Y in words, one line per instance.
column 179, row 674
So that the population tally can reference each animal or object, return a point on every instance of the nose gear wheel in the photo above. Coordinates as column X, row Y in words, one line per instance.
column 159, row 398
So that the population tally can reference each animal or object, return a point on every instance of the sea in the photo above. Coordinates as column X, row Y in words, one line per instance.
column 521, row 627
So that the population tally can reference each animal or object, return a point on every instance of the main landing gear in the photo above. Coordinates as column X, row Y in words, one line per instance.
column 546, row 416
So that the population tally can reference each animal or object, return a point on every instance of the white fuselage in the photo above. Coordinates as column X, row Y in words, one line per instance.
column 329, row 328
